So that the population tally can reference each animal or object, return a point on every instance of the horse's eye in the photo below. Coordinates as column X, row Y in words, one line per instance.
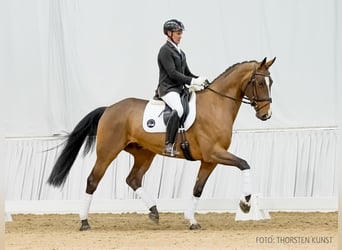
column 261, row 83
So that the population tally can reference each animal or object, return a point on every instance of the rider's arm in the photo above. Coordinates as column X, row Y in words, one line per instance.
column 165, row 58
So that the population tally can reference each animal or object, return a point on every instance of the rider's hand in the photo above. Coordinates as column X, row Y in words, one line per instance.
column 194, row 87
column 199, row 81
column 197, row 84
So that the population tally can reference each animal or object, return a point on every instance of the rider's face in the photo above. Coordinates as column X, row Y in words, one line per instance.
column 175, row 36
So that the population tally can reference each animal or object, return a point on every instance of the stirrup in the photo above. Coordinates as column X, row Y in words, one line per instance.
column 169, row 150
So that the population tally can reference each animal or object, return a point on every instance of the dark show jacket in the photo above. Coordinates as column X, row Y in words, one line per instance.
column 173, row 70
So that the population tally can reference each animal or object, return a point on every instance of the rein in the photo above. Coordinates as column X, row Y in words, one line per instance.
column 230, row 97
column 253, row 101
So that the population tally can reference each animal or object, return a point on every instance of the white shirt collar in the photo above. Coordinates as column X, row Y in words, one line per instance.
column 175, row 45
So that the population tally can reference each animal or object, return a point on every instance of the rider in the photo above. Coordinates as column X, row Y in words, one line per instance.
column 174, row 75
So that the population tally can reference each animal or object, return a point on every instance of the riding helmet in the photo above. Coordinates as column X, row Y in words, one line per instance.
column 173, row 25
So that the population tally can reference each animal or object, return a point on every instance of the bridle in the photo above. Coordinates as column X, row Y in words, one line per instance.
column 253, row 101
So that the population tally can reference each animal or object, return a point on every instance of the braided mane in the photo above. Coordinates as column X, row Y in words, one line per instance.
column 231, row 68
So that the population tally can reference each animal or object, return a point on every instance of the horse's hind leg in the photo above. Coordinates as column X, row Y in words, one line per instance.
column 142, row 161
column 92, row 183
column 106, row 153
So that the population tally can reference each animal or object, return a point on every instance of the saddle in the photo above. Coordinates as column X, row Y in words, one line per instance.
column 166, row 112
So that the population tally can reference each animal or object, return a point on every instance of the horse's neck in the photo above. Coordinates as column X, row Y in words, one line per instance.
column 229, row 85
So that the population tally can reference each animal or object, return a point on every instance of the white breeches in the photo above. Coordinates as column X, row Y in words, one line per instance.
column 173, row 100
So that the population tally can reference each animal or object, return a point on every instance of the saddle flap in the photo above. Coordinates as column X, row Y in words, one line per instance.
column 153, row 119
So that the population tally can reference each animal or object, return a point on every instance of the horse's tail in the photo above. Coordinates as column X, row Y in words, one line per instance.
column 85, row 130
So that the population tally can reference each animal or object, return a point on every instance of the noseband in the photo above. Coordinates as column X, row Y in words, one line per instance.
column 253, row 101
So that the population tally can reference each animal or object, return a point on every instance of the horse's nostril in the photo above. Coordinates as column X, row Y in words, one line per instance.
column 265, row 117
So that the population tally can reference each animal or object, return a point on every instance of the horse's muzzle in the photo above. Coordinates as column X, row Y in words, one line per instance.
column 265, row 117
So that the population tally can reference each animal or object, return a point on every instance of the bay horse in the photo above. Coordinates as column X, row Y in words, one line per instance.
column 119, row 127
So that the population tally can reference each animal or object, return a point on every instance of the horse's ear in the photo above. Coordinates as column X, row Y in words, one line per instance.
column 269, row 63
column 263, row 62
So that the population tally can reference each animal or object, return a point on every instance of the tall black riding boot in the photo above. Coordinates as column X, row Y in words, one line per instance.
column 171, row 133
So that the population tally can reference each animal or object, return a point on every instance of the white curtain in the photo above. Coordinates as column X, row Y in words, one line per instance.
column 62, row 58
column 295, row 163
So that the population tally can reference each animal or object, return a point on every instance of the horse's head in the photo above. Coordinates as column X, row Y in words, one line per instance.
column 258, row 89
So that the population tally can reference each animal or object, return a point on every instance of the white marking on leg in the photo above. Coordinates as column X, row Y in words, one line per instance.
column 189, row 212
column 85, row 205
column 246, row 182
column 149, row 202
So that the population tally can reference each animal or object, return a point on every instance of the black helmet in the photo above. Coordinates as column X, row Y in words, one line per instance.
column 173, row 25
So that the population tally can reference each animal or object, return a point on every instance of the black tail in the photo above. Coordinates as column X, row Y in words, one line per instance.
column 85, row 129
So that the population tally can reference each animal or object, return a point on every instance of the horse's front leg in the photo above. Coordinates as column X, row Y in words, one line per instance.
column 202, row 177
column 226, row 158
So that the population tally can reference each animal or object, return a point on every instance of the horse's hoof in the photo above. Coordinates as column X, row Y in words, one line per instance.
column 195, row 226
column 154, row 215
column 245, row 206
column 85, row 225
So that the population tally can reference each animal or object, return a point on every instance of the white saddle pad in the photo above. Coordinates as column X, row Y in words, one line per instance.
column 153, row 115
